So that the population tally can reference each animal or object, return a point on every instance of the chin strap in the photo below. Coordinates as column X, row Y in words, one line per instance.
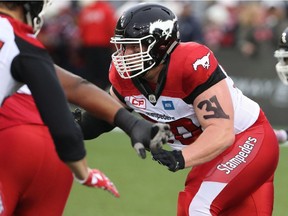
column 171, row 48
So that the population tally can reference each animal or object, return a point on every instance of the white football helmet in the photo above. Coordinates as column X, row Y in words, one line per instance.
column 282, row 55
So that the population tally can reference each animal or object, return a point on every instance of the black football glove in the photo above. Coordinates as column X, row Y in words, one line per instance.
column 144, row 135
column 159, row 135
column 172, row 159
column 77, row 114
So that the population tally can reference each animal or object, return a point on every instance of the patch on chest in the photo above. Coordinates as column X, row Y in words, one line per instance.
column 168, row 105
column 138, row 102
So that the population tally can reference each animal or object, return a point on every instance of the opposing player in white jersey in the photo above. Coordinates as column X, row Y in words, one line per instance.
column 282, row 70
column 220, row 134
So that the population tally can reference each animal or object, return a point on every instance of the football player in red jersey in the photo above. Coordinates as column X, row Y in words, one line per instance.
column 33, row 177
column 219, row 133
column 282, row 70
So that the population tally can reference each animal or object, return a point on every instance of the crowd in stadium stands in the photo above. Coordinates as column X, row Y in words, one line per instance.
column 217, row 24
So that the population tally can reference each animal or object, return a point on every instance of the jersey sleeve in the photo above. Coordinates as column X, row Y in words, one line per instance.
column 202, row 72
column 34, row 67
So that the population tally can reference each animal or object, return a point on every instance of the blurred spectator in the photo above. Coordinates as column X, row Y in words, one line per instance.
column 96, row 24
column 60, row 34
column 189, row 26
column 251, row 31
column 124, row 5
column 275, row 19
column 221, row 24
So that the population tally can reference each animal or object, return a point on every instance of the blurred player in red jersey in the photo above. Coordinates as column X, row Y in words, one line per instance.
column 96, row 23
column 220, row 134
column 282, row 70
column 33, row 179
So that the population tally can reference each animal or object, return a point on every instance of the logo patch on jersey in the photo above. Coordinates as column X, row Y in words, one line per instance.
column 165, row 26
column 1, row 44
column 168, row 105
column 204, row 61
column 138, row 102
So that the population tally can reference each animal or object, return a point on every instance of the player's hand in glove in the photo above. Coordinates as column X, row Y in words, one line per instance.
column 144, row 134
column 159, row 135
column 98, row 179
column 172, row 159
column 77, row 114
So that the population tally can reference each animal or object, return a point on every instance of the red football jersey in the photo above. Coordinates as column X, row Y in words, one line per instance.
column 192, row 69
column 19, row 109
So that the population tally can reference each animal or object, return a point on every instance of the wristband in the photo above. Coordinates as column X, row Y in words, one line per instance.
column 124, row 120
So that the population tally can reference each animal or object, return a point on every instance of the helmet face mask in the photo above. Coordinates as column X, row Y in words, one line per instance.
column 282, row 56
column 282, row 65
column 132, row 65
column 153, row 29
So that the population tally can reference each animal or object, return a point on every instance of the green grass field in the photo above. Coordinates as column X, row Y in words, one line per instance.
column 146, row 188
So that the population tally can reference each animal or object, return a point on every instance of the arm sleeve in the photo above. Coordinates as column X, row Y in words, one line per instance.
column 37, row 71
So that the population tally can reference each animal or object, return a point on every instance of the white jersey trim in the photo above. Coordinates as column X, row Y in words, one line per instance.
column 8, row 52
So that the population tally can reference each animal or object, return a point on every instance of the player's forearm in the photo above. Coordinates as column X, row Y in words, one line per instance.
column 79, row 168
column 212, row 142
column 96, row 101
column 88, row 96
